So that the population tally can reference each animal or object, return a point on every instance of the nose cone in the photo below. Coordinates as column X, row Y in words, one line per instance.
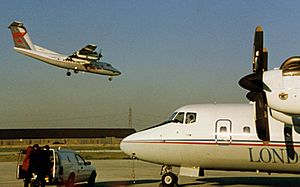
column 114, row 71
column 117, row 72
column 126, row 146
column 143, row 145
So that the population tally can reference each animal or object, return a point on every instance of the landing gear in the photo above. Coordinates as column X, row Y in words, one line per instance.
column 76, row 70
column 110, row 78
column 169, row 179
column 68, row 73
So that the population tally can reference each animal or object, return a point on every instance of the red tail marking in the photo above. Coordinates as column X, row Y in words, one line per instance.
column 18, row 35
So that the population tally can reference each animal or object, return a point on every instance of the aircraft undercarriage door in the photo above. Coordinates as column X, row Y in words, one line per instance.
column 223, row 131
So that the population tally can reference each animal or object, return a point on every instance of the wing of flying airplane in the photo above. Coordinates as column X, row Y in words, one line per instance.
column 87, row 53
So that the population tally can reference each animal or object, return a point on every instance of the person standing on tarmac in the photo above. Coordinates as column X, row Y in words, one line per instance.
column 46, row 154
column 25, row 166
column 37, row 164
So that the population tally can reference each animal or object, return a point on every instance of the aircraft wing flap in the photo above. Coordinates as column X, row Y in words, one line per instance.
column 88, row 48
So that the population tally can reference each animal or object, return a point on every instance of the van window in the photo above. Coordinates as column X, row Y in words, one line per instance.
column 190, row 118
column 80, row 160
column 72, row 157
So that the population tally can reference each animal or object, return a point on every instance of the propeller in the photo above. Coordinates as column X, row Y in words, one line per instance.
column 288, row 138
column 254, row 83
column 99, row 54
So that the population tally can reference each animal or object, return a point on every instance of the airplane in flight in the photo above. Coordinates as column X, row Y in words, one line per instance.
column 263, row 135
column 85, row 59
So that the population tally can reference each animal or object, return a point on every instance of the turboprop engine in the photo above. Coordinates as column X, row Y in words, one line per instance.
column 277, row 90
column 283, row 93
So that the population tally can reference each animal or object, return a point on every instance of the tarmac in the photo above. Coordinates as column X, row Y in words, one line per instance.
column 120, row 173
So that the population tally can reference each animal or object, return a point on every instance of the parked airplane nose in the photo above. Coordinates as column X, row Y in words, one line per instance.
column 143, row 145
column 125, row 146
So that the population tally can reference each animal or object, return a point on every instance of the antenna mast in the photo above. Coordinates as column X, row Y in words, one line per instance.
column 130, row 118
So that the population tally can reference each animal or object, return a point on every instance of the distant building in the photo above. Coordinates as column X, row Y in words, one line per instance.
column 64, row 136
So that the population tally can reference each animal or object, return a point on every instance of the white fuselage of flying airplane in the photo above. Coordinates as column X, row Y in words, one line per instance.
column 86, row 59
column 221, row 137
column 63, row 61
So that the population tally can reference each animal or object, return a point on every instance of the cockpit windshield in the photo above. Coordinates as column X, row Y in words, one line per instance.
column 184, row 117
column 179, row 118
column 172, row 116
column 190, row 117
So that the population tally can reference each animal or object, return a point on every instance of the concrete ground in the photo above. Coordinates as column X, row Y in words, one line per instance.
column 119, row 173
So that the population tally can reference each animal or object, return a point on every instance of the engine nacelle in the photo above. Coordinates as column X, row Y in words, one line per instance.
column 90, row 56
column 290, row 119
column 282, row 91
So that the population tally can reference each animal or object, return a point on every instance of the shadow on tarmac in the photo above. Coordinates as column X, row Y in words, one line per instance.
column 119, row 183
column 216, row 181
column 251, row 181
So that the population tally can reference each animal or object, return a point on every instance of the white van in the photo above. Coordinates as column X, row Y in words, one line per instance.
column 66, row 168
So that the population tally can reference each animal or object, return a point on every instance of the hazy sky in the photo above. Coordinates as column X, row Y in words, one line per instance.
column 170, row 53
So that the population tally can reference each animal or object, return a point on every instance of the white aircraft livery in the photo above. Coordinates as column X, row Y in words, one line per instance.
column 86, row 59
column 260, row 136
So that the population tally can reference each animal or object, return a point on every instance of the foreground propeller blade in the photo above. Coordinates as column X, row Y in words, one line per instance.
column 262, row 124
column 100, row 54
column 288, row 137
column 254, row 83
column 258, row 47
column 264, row 64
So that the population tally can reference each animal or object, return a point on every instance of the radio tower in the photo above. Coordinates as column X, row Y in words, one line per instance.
column 130, row 118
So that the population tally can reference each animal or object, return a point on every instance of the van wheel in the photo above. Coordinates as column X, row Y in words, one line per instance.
column 92, row 179
column 70, row 182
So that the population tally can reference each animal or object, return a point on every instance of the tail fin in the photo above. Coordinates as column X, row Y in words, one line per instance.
column 20, row 36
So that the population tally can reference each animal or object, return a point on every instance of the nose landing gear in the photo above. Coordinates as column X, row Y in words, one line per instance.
column 169, row 179
column 76, row 70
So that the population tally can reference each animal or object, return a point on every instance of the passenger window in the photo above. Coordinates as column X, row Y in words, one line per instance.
column 190, row 118
column 179, row 117
column 223, row 129
column 246, row 130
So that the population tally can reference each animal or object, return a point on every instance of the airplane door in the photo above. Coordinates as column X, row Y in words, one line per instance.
column 223, row 131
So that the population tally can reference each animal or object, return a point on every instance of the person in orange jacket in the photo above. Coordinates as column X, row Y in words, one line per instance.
column 25, row 166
